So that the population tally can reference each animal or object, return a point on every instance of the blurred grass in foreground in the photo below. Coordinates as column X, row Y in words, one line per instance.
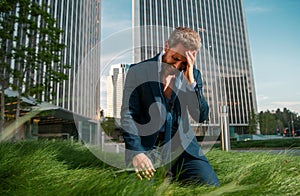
column 61, row 168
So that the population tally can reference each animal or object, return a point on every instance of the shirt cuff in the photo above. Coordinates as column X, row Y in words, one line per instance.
column 191, row 86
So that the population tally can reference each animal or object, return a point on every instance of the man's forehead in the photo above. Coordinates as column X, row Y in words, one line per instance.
column 180, row 56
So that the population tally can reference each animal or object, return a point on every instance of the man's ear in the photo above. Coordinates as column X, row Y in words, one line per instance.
column 166, row 48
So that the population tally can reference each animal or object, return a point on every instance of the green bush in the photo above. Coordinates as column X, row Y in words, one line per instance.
column 275, row 143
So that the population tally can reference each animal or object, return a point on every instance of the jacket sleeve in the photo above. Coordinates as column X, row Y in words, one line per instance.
column 130, row 109
column 195, row 101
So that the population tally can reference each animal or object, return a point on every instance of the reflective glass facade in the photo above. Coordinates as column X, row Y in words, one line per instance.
column 74, row 109
column 224, row 58
column 80, row 22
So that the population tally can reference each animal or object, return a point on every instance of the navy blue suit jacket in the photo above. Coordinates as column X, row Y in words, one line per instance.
column 142, row 114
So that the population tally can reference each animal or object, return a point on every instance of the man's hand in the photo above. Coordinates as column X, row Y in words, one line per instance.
column 143, row 166
column 190, row 57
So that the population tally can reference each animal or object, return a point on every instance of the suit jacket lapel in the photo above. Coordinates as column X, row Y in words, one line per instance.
column 152, row 76
column 154, row 83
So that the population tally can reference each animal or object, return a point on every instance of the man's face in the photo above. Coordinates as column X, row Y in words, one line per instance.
column 174, row 60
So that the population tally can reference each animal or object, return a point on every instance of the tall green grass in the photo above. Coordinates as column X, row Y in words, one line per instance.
column 61, row 168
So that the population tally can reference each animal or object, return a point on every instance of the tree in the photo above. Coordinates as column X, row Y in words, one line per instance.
column 109, row 126
column 7, row 20
column 252, row 123
column 267, row 122
column 297, row 123
column 36, row 51
column 271, row 122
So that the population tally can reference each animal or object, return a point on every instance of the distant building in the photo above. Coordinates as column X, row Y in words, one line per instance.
column 115, row 85
column 224, row 58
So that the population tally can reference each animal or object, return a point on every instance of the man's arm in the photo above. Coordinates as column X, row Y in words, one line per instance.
column 197, row 105
column 135, row 153
column 130, row 108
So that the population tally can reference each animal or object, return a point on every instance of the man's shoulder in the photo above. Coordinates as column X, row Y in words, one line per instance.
column 145, row 62
column 145, row 70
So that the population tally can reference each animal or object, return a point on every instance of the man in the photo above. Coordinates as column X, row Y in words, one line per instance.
column 159, row 96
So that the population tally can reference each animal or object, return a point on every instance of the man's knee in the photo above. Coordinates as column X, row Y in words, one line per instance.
column 196, row 171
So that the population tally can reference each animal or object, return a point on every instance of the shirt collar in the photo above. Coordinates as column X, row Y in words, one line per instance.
column 160, row 60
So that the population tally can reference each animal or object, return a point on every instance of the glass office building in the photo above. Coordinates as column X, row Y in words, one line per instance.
column 224, row 58
column 76, row 101
column 80, row 21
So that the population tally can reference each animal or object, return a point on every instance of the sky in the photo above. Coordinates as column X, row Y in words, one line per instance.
column 274, row 36
column 273, row 27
